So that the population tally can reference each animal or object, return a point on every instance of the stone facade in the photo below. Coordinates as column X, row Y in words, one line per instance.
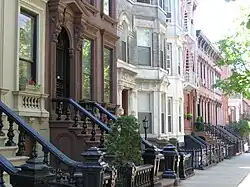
column 154, row 89
column 27, row 100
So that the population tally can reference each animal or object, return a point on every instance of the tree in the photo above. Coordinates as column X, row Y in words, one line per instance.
column 235, row 51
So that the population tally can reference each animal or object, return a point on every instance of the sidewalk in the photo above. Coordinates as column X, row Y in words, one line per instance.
column 229, row 173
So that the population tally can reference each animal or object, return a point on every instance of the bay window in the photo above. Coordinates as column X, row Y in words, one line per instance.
column 144, row 46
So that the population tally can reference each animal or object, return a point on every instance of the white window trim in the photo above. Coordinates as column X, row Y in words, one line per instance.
column 164, row 106
column 169, row 53
column 40, row 43
column 151, row 106
column 170, row 98
column 180, row 115
column 151, row 46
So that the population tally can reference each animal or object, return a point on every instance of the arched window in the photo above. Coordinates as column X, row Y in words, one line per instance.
column 124, row 42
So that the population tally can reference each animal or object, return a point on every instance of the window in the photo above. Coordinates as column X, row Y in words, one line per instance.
column 180, row 115
column 179, row 60
column 169, row 57
column 144, row 1
column 162, row 61
column 165, row 5
column 163, row 113
column 178, row 17
column 87, row 55
column 145, row 109
column 27, row 46
column 108, row 61
column 170, row 114
column 124, row 43
column 91, row 2
column 107, row 7
column 144, row 44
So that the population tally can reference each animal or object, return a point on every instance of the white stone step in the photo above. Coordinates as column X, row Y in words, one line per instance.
column 2, row 141
column 8, row 151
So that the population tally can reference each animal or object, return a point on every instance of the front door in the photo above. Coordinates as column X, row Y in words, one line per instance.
column 62, row 65
column 125, row 101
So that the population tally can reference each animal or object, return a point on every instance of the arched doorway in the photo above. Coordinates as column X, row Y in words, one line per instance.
column 62, row 65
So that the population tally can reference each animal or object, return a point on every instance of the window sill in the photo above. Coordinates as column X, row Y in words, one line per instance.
column 109, row 19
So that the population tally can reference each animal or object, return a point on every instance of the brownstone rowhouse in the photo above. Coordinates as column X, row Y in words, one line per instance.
column 80, row 50
column 189, row 108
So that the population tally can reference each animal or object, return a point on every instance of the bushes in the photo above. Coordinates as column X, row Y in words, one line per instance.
column 242, row 127
column 124, row 141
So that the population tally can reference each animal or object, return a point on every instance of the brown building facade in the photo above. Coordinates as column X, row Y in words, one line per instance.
column 80, row 50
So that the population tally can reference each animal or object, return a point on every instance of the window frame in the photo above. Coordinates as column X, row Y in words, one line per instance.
column 148, row 112
column 125, row 39
column 35, row 17
column 111, row 50
column 180, row 115
column 163, row 64
column 142, row 1
column 92, row 43
column 148, row 46
column 109, row 8
column 179, row 60
column 163, row 113
column 169, row 56
column 170, row 113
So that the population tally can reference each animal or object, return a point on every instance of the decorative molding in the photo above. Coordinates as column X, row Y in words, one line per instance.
column 79, row 32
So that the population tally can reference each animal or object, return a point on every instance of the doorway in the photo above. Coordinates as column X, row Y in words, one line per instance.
column 125, row 101
column 62, row 65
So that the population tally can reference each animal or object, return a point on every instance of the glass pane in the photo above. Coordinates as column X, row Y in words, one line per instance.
column 107, row 93
column 180, row 124
column 106, row 7
column 86, row 68
column 144, row 56
column 169, row 106
column 26, row 41
column 24, row 71
column 169, row 123
column 141, row 116
column 124, row 51
column 163, row 123
column 144, row 37
column 107, row 73
column 162, row 60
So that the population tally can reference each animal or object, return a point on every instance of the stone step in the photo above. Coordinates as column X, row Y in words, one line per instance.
column 2, row 141
column 8, row 151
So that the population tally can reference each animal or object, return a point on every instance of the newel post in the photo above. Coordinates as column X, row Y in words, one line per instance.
column 34, row 173
column 93, row 168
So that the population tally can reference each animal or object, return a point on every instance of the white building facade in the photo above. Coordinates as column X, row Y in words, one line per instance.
column 150, row 65
column 22, row 50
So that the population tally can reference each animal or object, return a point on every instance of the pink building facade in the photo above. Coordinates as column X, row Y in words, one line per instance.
column 189, row 62
column 209, row 99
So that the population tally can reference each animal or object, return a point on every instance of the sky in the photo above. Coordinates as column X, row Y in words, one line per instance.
column 216, row 17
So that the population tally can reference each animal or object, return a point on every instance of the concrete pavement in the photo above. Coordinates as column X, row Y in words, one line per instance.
column 230, row 173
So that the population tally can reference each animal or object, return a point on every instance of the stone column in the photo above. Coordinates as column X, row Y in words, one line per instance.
column 134, row 105
column 119, row 96
column 156, row 113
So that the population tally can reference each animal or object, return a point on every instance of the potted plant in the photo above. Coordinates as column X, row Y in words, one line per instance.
column 26, row 84
column 199, row 124
column 188, row 116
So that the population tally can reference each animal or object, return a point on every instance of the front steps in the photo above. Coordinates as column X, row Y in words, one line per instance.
column 9, row 152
